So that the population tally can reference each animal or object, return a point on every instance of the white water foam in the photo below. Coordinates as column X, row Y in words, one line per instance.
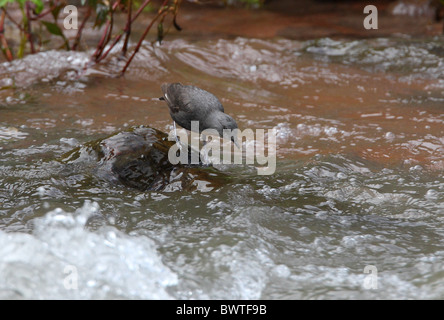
column 63, row 260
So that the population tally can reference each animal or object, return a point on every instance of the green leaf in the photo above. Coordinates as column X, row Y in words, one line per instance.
column 178, row 28
column 92, row 3
column 160, row 32
column 5, row 2
column 38, row 6
column 53, row 28
column 21, row 3
column 55, row 12
column 101, row 14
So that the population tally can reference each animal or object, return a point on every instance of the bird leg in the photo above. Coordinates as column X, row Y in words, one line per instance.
column 204, row 140
column 205, row 159
column 177, row 138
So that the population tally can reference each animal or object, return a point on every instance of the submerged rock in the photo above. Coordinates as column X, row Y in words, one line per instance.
column 138, row 158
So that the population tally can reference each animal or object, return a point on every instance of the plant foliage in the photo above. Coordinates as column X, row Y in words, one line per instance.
column 38, row 16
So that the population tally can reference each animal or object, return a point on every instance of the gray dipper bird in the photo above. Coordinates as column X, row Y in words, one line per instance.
column 189, row 103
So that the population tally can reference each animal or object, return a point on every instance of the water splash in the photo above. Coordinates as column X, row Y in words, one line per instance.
column 108, row 264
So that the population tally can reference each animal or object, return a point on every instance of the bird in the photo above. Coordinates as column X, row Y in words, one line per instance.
column 189, row 103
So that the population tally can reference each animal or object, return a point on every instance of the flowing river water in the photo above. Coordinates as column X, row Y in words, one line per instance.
column 358, row 185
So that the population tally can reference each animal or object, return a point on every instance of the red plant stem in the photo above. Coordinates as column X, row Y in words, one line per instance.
column 139, row 11
column 44, row 13
column 119, row 36
column 3, row 41
column 79, row 32
column 12, row 20
column 101, row 42
column 139, row 44
column 106, row 35
column 28, row 27
column 127, row 29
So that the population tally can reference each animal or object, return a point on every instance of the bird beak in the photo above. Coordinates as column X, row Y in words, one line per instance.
column 235, row 142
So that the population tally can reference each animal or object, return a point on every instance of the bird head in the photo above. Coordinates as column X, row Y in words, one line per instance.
column 228, row 124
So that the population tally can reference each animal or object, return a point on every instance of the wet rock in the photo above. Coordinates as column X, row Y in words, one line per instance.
column 138, row 158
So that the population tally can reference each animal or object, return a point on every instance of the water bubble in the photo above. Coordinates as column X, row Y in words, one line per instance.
column 431, row 194
column 331, row 130
column 389, row 135
column 7, row 82
column 281, row 271
column 283, row 131
column 72, row 142
column 416, row 168
column 341, row 175
column 41, row 191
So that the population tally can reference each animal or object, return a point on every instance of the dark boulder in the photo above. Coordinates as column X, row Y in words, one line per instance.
column 138, row 158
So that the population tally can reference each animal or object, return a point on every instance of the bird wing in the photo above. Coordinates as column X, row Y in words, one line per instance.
column 190, row 99
column 203, row 101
